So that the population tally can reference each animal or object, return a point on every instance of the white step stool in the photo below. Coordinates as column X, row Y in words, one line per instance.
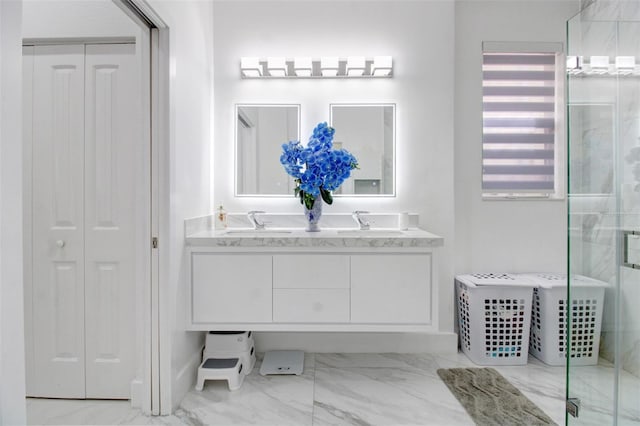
column 229, row 369
column 247, row 358
column 229, row 341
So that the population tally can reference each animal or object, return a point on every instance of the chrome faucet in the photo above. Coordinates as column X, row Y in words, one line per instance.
column 257, row 224
column 362, row 223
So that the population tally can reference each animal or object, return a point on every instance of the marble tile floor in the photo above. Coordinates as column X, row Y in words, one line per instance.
column 356, row 389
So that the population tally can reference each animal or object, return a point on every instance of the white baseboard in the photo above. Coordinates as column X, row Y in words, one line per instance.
column 185, row 379
column 436, row 343
column 136, row 393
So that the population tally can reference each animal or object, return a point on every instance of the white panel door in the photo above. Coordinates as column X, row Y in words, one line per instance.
column 58, row 217
column 112, row 158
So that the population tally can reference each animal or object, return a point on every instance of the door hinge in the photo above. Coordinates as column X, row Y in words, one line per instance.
column 154, row 242
column 573, row 406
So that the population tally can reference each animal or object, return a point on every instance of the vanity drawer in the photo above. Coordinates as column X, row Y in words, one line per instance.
column 311, row 305
column 312, row 271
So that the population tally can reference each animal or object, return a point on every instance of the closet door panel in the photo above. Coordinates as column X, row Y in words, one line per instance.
column 58, row 216
column 113, row 140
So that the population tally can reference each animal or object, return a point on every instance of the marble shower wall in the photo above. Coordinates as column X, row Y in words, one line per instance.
column 607, row 28
column 608, row 10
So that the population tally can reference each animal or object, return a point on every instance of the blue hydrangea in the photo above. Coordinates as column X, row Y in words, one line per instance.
column 290, row 158
column 317, row 168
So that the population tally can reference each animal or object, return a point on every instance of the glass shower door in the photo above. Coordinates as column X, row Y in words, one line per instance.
column 603, row 120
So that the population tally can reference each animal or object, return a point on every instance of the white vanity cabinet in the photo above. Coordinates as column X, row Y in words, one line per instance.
column 313, row 283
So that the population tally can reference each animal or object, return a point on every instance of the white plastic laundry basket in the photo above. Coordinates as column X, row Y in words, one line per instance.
column 494, row 314
column 549, row 318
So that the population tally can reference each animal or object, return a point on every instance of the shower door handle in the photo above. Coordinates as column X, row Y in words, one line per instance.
column 573, row 406
column 625, row 248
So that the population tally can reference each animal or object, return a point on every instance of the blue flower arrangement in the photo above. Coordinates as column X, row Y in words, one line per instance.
column 318, row 169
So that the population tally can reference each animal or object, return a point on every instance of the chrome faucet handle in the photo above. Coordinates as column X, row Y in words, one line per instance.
column 362, row 223
column 257, row 224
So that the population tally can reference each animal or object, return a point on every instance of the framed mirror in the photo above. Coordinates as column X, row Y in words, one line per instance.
column 260, row 132
column 368, row 132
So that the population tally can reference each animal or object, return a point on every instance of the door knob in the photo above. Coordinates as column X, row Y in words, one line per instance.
column 60, row 243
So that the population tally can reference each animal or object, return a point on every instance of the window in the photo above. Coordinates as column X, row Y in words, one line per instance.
column 522, row 149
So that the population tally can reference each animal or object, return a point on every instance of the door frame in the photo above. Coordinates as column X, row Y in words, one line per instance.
column 158, row 41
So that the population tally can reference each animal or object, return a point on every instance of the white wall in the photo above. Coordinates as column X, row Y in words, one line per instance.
column 75, row 19
column 12, row 382
column 186, row 179
column 512, row 236
column 419, row 36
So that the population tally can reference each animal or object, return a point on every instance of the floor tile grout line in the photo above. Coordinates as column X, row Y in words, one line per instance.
column 313, row 393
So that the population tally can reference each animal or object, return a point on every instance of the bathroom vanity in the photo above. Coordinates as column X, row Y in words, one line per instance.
column 332, row 280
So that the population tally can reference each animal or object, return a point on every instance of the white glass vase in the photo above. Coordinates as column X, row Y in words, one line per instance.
column 313, row 215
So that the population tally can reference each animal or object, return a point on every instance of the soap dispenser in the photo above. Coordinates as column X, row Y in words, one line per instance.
column 221, row 218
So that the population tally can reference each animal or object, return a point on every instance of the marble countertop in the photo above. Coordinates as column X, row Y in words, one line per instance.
column 298, row 237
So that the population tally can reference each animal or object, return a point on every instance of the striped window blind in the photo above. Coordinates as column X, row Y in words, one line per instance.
column 519, row 123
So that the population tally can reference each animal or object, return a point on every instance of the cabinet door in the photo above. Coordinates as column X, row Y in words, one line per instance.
column 229, row 288
column 311, row 271
column 391, row 289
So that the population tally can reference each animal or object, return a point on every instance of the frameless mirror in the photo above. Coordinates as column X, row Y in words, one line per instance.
column 260, row 132
column 591, row 144
column 368, row 132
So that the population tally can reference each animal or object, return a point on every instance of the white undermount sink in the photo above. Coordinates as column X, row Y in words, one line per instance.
column 370, row 232
column 258, row 232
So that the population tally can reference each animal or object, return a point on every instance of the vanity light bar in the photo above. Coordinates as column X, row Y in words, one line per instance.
column 601, row 66
column 325, row 67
